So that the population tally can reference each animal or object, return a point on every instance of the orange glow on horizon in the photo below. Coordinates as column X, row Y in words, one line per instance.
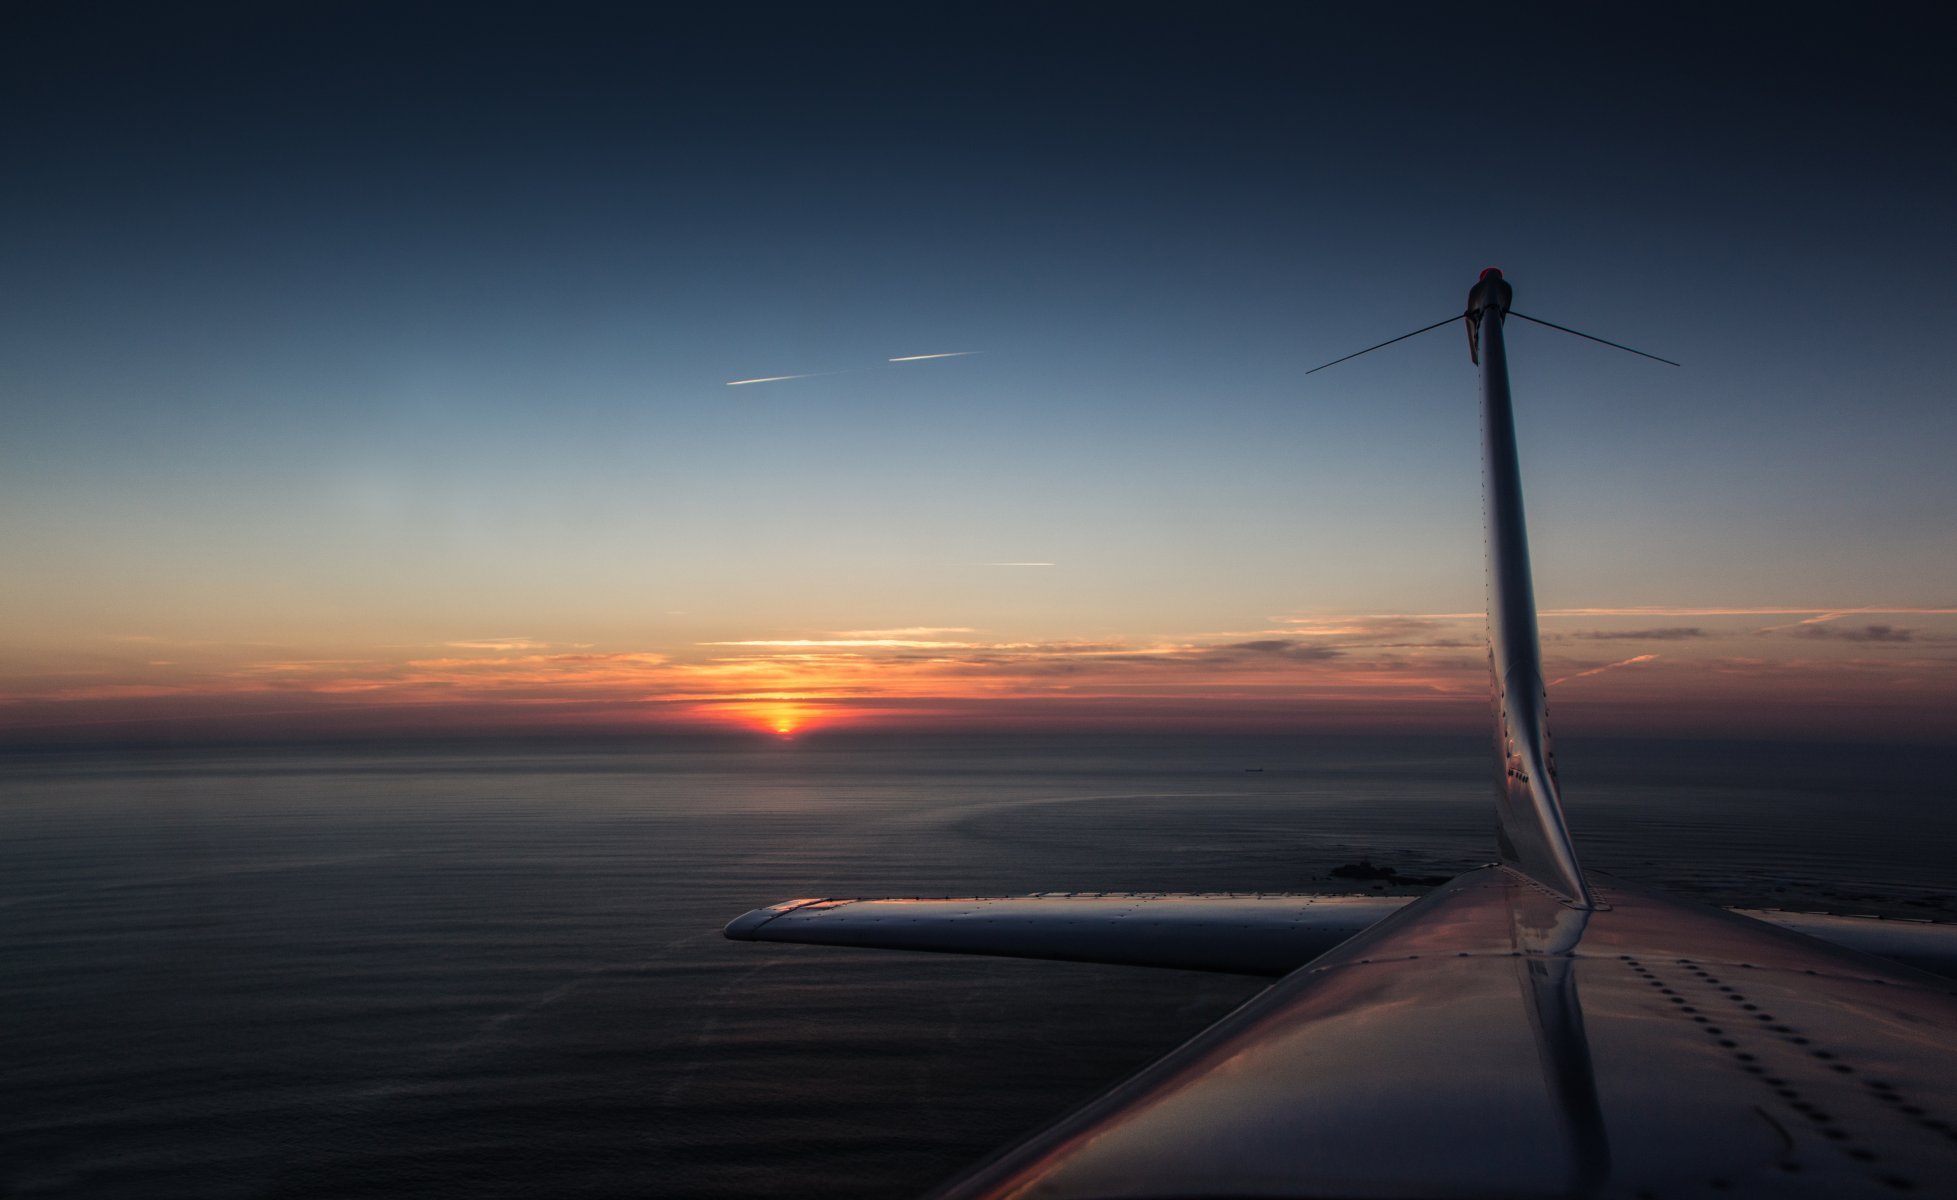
column 783, row 718
column 1818, row 673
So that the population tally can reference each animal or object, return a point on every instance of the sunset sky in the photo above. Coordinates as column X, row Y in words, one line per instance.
column 393, row 369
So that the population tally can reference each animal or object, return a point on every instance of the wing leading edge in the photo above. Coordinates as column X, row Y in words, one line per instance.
column 1268, row 935
column 1263, row 934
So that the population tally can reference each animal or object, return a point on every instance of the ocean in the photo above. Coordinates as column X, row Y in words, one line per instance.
column 495, row 969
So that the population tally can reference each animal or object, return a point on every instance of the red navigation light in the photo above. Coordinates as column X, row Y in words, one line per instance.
column 1487, row 271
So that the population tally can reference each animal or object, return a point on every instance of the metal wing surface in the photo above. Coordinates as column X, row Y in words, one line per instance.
column 1266, row 934
column 1246, row 934
column 1493, row 1040
column 1926, row 945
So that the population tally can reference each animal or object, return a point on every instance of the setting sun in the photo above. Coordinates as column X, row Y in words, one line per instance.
column 782, row 718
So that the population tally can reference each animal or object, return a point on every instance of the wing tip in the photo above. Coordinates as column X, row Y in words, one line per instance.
column 747, row 926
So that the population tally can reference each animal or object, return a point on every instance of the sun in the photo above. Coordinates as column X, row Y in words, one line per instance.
column 782, row 718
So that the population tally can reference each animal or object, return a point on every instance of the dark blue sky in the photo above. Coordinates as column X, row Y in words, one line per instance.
column 344, row 327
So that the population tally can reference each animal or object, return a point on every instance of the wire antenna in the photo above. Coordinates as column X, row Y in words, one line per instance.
column 1579, row 333
column 1403, row 337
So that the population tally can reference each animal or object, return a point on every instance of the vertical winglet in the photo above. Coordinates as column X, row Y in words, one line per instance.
column 1529, row 806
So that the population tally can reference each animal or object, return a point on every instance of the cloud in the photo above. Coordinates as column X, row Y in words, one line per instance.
column 1676, row 633
column 1262, row 655
column 1660, row 610
column 908, row 631
column 846, row 643
column 1285, row 648
column 1385, row 632
column 1867, row 633
column 1316, row 664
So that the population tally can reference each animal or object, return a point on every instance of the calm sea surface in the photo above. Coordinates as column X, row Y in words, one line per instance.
column 498, row 970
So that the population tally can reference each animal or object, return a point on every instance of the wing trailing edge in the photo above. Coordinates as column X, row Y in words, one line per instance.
column 1926, row 945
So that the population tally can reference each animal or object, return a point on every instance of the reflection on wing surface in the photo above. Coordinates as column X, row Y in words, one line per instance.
column 1449, row 1053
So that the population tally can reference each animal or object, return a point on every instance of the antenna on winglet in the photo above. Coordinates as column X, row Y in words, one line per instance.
column 1403, row 337
column 1474, row 331
column 1592, row 337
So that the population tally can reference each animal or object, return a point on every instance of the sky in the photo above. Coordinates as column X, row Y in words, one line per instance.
column 381, row 369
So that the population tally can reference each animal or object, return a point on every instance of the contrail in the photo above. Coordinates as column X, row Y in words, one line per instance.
column 779, row 378
column 1636, row 658
column 1823, row 619
column 849, row 371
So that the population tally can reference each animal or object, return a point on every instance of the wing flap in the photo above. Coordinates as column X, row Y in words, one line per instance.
column 1268, row 935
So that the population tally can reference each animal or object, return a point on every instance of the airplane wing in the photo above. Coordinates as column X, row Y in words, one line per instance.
column 1265, row 934
column 1269, row 935
column 1446, row 1053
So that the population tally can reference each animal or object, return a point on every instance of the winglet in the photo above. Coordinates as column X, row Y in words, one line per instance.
column 1534, row 840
